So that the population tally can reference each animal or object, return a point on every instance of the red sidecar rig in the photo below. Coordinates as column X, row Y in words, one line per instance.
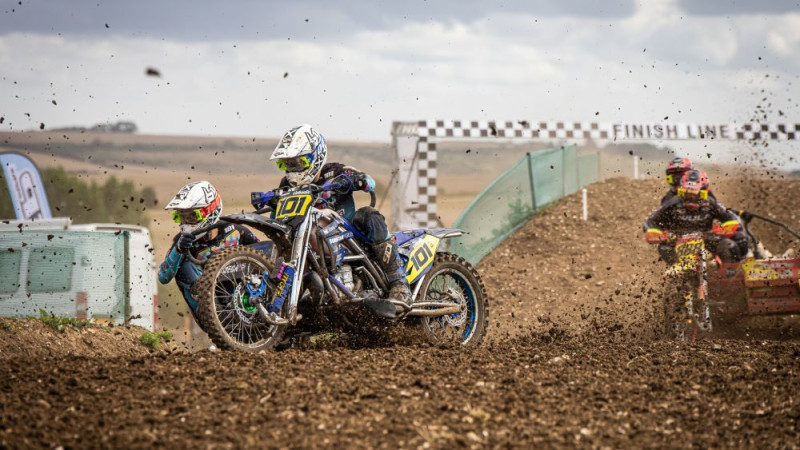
column 757, row 286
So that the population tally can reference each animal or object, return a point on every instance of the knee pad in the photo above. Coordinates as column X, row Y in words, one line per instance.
column 729, row 251
column 372, row 224
column 667, row 253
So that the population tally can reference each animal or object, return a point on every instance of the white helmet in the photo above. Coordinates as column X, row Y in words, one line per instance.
column 196, row 205
column 301, row 153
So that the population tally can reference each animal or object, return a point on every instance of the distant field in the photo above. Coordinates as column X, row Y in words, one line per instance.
column 236, row 166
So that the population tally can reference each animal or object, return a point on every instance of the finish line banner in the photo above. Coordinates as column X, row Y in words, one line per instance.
column 598, row 131
column 25, row 186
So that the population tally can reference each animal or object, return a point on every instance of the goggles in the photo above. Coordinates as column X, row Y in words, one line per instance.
column 188, row 216
column 702, row 194
column 196, row 215
column 297, row 164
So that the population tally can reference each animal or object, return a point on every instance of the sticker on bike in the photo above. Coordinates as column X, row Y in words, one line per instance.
column 293, row 205
column 421, row 256
column 687, row 252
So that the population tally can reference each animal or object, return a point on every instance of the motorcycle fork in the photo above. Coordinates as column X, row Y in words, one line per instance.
column 299, row 254
column 702, row 289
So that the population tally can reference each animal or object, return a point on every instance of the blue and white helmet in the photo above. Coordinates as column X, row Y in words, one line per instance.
column 301, row 153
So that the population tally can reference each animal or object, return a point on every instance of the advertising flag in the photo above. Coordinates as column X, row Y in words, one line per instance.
column 25, row 186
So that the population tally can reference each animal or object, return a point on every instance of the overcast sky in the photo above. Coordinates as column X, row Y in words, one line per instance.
column 256, row 68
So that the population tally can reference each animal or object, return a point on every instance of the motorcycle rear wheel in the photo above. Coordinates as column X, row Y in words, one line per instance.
column 223, row 308
column 453, row 280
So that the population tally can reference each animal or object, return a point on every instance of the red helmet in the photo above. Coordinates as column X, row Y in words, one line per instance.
column 693, row 188
column 676, row 168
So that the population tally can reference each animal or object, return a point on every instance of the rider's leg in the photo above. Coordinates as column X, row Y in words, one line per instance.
column 188, row 274
column 373, row 224
column 666, row 250
column 730, row 251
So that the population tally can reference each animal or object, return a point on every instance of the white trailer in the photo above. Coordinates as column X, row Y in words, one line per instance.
column 105, row 272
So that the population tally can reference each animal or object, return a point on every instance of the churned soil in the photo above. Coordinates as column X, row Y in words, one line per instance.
column 575, row 356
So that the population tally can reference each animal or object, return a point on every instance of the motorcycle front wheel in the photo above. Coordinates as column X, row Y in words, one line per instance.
column 452, row 280
column 224, row 308
column 680, row 305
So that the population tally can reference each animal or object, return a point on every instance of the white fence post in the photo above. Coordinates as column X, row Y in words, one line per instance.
column 635, row 167
column 584, row 205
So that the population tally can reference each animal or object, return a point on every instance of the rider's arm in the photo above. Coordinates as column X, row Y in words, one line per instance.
column 246, row 237
column 359, row 181
column 658, row 221
column 168, row 268
column 657, row 218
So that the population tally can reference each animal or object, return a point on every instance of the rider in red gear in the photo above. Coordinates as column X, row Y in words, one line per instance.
column 693, row 209
column 676, row 168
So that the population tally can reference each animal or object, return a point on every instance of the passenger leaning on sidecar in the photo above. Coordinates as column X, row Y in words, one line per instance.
column 692, row 209
column 198, row 205
column 302, row 154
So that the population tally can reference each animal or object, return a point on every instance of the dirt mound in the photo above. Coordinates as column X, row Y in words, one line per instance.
column 34, row 339
column 573, row 358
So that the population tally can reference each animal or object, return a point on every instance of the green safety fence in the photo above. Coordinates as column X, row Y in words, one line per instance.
column 66, row 273
column 538, row 179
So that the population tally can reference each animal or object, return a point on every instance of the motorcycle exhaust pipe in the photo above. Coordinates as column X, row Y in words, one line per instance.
column 440, row 310
column 271, row 317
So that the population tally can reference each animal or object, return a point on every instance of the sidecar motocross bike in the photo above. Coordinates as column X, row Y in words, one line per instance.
column 702, row 291
column 315, row 276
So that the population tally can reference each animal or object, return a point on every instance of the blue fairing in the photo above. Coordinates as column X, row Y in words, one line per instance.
column 401, row 237
column 355, row 231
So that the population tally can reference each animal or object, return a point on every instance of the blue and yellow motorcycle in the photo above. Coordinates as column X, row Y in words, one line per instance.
column 315, row 276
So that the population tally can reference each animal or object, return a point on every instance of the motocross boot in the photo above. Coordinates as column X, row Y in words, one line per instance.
column 389, row 260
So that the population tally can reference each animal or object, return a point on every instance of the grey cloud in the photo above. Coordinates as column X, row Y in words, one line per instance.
column 738, row 7
column 193, row 20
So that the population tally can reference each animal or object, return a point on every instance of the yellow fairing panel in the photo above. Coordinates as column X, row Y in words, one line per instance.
column 421, row 257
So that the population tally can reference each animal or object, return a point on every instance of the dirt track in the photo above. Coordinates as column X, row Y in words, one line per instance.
column 574, row 357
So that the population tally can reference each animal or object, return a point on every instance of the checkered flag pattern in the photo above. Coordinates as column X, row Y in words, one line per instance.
column 522, row 129
column 768, row 132
column 426, row 182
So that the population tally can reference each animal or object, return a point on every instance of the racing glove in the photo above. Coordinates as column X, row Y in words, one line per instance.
column 363, row 183
column 655, row 235
column 261, row 199
column 727, row 229
column 184, row 242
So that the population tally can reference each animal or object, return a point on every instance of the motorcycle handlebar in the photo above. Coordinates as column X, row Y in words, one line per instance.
column 749, row 216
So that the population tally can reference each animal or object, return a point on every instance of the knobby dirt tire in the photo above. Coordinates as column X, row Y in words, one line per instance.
column 207, row 310
column 678, row 324
column 449, row 262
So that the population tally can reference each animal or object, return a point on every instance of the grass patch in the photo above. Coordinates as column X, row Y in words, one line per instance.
column 59, row 323
column 153, row 340
column 9, row 324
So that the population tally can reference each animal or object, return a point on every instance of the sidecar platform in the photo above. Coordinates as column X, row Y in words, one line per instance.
column 755, row 287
